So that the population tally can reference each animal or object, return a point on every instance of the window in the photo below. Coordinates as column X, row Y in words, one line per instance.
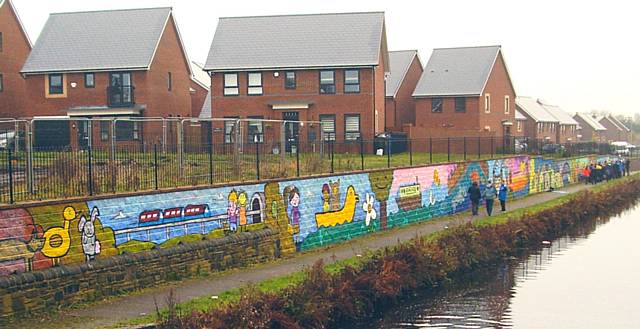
column 254, row 84
column 255, row 132
column 519, row 126
column 328, row 126
column 506, row 105
column 290, row 80
column 1, row 83
column 436, row 105
column 127, row 131
column 56, row 84
column 104, row 130
column 89, row 80
column 351, row 81
column 327, row 82
column 487, row 103
column 351, row 127
column 229, row 126
column 231, row 84
column 461, row 105
column 169, row 81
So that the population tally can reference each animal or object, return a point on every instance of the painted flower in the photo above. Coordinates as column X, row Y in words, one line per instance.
column 369, row 210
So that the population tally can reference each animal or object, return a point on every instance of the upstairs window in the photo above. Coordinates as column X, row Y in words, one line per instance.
column 255, row 132
column 436, row 105
column 1, row 83
column 461, row 104
column 351, row 127
column 327, row 82
column 89, row 80
column 507, row 108
column 328, row 126
column 290, row 80
column 231, row 84
column 487, row 103
column 351, row 81
column 254, row 84
column 56, row 85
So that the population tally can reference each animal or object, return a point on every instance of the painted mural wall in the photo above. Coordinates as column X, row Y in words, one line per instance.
column 309, row 213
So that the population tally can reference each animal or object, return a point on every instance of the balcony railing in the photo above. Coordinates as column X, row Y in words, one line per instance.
column 121, row 96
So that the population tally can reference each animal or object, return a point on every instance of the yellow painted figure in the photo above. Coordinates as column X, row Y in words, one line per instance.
column 242, row 204
column 344, row 215
column 57, row 240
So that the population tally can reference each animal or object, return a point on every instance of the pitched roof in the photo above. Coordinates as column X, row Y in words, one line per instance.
column 457, row 71
column 205, row 112
column 399, row 62
column 199, row 76
column 618, row 123
column 15, row 12
column 563, row 117
column 99, row 40
column 606, row 117
column 591, row 121
column 298, row 41
column 534, row 109
column 520, row 116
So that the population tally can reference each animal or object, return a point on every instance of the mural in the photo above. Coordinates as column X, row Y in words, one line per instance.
column 307, row 213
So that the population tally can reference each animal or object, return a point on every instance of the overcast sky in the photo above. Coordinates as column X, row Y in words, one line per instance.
column 581, row 55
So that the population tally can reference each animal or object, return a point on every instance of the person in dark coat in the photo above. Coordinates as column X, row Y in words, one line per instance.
column 474, row 195
column 627, row 165
column 502, row 196
column 489, row 195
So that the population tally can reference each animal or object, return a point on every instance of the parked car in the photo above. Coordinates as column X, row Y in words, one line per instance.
column 6, row 139
column 622, row 148
column 520, row 146
column 552, row 148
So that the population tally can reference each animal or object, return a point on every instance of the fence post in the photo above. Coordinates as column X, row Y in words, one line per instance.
column 298, row 158
column 9, row 161
column 430, row 150
column 410, row 153
column 257, row 159
column 90, row 175
column 479, row 155
column 211, row 163
column 448, row 149
column 361, row 154
column 491, row 147
column 331, row 146
column 29, row 147
column 155, row 164
column 389, row 152
column 464, row 147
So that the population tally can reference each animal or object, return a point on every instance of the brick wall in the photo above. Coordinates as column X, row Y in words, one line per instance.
column 15, row 50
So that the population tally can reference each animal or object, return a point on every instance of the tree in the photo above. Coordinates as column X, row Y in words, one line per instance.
column 381, row 185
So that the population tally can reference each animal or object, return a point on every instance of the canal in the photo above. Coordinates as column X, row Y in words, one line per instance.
column 587, row 279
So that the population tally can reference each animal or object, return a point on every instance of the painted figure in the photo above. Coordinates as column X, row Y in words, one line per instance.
column 341, row 216
column 294, row 202
column 369, row 210
column 232, row 210
column 326, row 196
column 335, row 195
column 242, row 211
column 90, row 244
column 57, row 240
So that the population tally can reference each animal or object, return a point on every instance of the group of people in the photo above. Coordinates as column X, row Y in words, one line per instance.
column 604, row 171
column 489, row 194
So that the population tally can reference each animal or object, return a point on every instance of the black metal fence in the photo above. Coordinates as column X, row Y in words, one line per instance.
column 40, row 173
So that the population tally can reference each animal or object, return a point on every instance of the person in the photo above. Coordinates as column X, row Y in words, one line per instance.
column 627, row 166
column 502, row 196
column 586, row 172
column 474, row 195
column 489, row 196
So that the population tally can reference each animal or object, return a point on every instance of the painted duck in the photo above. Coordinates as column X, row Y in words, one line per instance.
column 344, row 215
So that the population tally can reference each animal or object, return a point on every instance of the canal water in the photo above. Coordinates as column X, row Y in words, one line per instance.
column 587, row 279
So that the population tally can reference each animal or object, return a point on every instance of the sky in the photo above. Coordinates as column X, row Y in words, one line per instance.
column 580, row 55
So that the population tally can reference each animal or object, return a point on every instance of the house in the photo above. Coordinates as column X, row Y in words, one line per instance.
column 15, row 46
column 199, row 89
column 540, row 125
column 106, row 64
column 567, row 131
column 628, row 134
column 616, row 130
column 406, row 69
column 592, row 130
column 521, row 121
column 327, row 68
column 464, row 92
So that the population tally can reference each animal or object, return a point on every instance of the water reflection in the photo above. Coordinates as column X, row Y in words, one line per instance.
column 583, row 280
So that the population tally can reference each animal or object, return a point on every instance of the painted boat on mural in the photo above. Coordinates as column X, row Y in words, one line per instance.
column 409, row 197
column 344, row 215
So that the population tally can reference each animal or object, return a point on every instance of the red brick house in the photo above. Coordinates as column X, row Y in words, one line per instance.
column 464, row 92
column 521, row 121
column 567, row 131
column 15, row 46
column 406, row 69
column 591, row 129
column 105, row 64
column 540, row 125
column 327, row 68
column 616, row 130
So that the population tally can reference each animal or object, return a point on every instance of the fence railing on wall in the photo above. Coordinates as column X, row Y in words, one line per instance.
column 105, row 156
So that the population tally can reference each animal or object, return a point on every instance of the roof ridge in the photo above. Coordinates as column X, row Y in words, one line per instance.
column 403, row 51
column 467, row 47
column 109, row 10
column 296, row 15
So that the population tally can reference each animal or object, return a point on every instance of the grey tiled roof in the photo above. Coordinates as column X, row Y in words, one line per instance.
column 98, row 40
column 199, row 75
column 534, row 109
column 520, row 116
column 297, row 41
column 205, row 113
column 399, row 62
column 563, row 117
column 591, row 121
column 457, row 71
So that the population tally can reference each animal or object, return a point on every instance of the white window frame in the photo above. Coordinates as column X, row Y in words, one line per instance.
column 254, row 89
column 507, row 105
column 229, row 89
column 487, row 103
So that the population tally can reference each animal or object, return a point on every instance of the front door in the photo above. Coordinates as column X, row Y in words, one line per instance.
column 291, row 129
column 83, row 134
